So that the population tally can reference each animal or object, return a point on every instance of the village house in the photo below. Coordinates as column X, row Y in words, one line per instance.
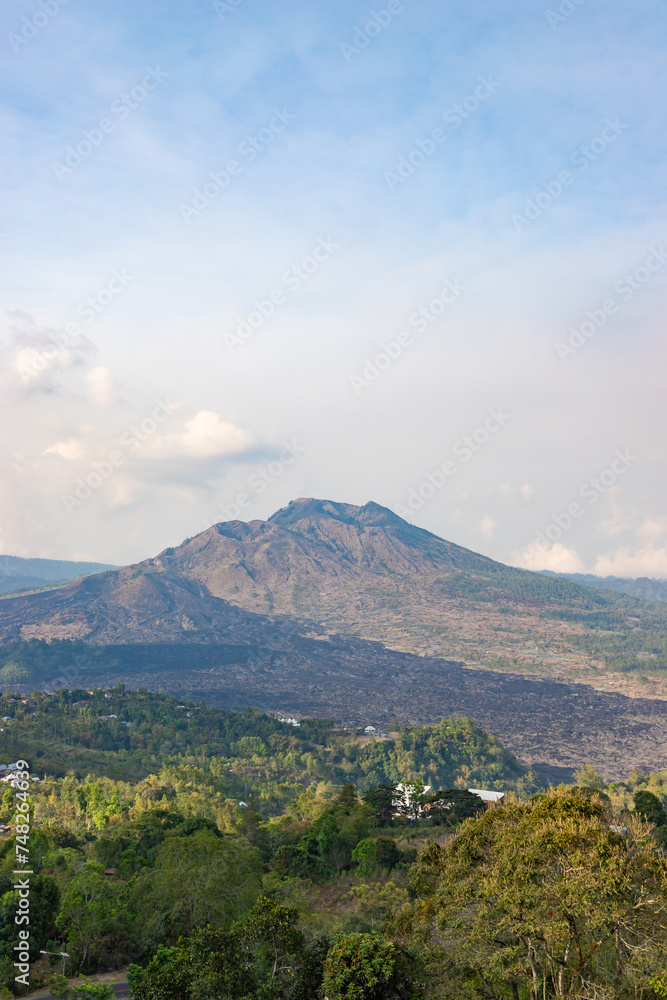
column 488, row 797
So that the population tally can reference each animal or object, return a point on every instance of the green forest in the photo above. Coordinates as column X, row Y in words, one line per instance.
column 231, row 855
column 128, row 736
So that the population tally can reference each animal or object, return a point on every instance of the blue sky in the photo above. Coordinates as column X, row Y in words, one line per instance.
column 368, row 158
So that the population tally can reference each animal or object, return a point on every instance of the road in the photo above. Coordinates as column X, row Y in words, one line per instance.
column 120, row 988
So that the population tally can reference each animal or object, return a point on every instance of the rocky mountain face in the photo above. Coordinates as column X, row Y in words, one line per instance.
column 325, row 568
column 352, row 613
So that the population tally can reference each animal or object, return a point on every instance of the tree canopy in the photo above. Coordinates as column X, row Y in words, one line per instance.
column 554, row 894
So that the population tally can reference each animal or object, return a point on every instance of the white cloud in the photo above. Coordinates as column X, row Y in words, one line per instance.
column 653, row 530
column 514, row 495
column 99, row 387
column 486, row 526
column 121, row 493
column 206, row 435
column 30, row 364
column 649, row 558
column 616, row 523
column 556, row 558
column 69, row 450
column 38, row 357
column 649, row 561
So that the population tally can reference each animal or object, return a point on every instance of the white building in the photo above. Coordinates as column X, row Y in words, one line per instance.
column 487, row 796
column 406, row 794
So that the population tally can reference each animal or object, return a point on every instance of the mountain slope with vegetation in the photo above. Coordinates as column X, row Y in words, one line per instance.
column 643, row 588
column 129, row 735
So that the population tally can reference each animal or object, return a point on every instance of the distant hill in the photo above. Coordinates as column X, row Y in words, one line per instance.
column 643, row 588
column 21, row 574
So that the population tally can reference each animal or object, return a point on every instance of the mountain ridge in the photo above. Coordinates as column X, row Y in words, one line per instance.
column 325, row 566
column 337, row 610
column 643, row 587
column 19, row 573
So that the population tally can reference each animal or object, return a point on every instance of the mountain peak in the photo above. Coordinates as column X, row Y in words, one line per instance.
column 370, row 515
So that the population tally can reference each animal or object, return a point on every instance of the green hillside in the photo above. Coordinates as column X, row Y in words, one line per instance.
column 214, row 852
column 128, row 736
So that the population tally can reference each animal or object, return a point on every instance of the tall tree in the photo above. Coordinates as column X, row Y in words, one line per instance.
column 551, row 895
column 367, row 967
column 271, row 930
column 87, row 911
column 196, row 880
column 208, row 965
column 381, row 800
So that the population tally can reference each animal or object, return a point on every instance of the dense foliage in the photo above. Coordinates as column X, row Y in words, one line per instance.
column 129, row 735
column 367, row 967
column 225, row 854
column 642, row 649
column 556, row 896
